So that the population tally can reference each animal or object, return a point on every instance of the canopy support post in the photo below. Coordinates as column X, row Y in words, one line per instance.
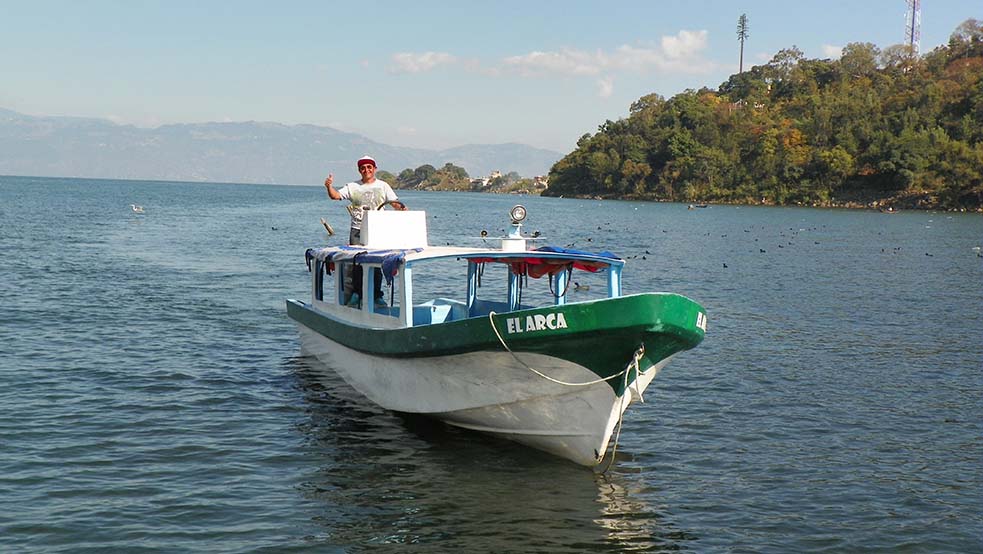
column 614, row 281
column 472, row 285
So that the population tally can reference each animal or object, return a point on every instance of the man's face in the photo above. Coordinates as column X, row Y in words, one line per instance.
column 367, row 171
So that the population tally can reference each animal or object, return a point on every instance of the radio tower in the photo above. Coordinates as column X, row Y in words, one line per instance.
column 913, row 24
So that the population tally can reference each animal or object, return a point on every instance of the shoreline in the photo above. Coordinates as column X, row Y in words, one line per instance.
column 884, row 206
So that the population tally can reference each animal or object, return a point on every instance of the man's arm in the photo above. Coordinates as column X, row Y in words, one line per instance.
column 332, row 193
column 392, row 199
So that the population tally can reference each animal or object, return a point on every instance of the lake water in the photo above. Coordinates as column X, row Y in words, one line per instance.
column 152, row 397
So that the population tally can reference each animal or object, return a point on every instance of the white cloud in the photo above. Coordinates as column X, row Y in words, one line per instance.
column 831, row 51
column 681, row 53
column 684, row 45
column 418, row 62
column 605, row 87
column 564, row 62
column 406, row 131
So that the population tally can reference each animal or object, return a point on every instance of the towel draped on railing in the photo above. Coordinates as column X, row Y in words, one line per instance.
column 389, row 259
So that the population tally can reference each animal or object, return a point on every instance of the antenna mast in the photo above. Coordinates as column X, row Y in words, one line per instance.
column 913, row 24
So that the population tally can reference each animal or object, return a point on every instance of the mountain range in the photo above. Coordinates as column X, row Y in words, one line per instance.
column 238, row 152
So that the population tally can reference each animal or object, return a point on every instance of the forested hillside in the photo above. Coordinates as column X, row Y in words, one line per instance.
column 454, row 178
column 874, row 128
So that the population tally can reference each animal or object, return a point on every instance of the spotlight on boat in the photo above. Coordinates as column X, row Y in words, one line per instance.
column 514, row 241
column 517, row 213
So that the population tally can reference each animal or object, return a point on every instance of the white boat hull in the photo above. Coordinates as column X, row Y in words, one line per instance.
column 492, row 391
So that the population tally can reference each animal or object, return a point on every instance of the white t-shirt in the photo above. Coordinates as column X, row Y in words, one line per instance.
column 366, row 197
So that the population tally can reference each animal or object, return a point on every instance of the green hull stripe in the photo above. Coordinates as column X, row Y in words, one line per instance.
column 601, row 335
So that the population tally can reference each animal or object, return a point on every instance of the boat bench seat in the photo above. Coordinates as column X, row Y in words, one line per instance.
column 439, row 310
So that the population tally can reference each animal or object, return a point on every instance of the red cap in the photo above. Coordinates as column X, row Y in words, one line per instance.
column 365, row 160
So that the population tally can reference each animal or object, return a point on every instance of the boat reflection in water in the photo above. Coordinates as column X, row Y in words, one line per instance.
column 378, row 478
column 630, row 522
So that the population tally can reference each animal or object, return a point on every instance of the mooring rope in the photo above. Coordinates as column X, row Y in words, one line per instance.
column 634, row 363
column 638, row 355
column 622, row 408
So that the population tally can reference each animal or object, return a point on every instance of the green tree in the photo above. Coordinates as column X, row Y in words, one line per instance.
column 412, row 178
column 742, row 35
column 859, row 59
column 423, row 173
column 967, row 40
column 832, row 167
column 387, row 177
column 871, row 125
column 405, row 178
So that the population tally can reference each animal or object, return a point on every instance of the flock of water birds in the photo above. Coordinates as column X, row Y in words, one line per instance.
column 138, row 209
column 786, row 239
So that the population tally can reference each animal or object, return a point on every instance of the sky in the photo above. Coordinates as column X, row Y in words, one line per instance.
column 425, row 74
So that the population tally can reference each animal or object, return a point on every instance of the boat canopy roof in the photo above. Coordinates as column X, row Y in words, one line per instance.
column 536, row 263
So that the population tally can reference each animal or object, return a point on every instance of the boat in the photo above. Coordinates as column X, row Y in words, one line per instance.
column 537, row 368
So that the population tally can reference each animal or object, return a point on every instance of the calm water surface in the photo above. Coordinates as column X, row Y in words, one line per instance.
column 152, row 397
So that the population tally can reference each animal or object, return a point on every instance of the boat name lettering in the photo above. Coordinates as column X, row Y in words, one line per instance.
column 701, row 321
column 537, row 322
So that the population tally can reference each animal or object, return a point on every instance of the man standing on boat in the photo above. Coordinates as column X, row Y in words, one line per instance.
column 368, row 193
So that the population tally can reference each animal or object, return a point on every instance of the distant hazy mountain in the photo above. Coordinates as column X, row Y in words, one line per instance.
column 246, row 152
